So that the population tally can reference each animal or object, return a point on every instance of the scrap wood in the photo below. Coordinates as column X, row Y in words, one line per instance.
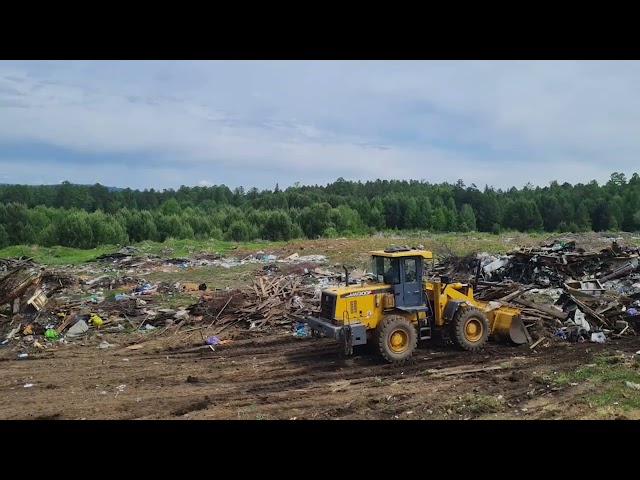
column 543, row 308
column 589, row 311
column 517, row 293
column 20, row 289
column 67, row 320
column 221, row 310
column 535, row 344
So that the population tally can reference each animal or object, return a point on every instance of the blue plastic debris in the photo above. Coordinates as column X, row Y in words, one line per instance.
column 212, row 340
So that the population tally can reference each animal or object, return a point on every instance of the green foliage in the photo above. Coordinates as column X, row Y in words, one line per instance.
column 4, row 237
column 86, row 216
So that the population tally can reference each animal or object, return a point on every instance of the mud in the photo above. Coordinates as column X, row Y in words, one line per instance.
column 276, row 375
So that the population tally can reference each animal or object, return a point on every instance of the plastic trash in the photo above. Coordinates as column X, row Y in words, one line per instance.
column 78, row 328
column 302, row 332
column 23, row 355
column 581, row 320
column 632, row 312
column 598, row 337
column 51, row 334
column 96, row 320
column 4, row 342
column 28, row 330
column 212, row 340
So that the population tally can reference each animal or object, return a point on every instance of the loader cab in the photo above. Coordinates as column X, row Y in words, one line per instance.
column 401, row 269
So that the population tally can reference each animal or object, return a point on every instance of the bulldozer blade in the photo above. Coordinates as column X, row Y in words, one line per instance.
column 518, row 333
column 507, row 326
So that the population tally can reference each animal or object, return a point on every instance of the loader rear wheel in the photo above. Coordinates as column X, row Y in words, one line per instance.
column 469, row 328
column 397, row 338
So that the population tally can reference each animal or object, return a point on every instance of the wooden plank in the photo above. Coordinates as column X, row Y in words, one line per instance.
column 535, row 344
column 261, row 281
column 65, row 323
column 515, row 294
column 543, row 308
column 221, row 310
column 20, row 289
column 586, row 309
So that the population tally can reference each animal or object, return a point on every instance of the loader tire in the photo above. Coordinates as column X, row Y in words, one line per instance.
column 397, row 338
column 469, row 328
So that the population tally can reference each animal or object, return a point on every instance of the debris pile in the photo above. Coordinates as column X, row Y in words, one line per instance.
column 267, row 301
column 564, row 292
column 577, row 293
column 21, row 290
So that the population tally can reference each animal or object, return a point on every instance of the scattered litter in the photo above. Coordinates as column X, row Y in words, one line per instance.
column 635, row 386
column 28, row 385
column 104, row 344
column 78, row 329
column 212, row 340
column 598, row 337
column 96, row 320
column 23, row 355
column 51, row 334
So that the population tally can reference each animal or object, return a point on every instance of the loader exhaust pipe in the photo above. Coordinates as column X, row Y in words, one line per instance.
column 477, row 275
column 346, row 276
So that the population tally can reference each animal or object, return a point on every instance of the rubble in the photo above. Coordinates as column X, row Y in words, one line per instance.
column 565, row 292
column 583, row 290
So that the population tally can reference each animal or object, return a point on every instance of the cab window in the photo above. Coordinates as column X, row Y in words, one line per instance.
column 410, row 270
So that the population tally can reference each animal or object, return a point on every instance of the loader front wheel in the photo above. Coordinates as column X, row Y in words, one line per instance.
column 469, row 328
column 397, row 338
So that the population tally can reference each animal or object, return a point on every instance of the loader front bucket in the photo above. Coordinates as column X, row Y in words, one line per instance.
column 507, row 326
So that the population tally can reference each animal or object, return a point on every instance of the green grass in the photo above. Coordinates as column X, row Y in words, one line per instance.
column 55, row 255
column 178, row 300
column 349, row 250
column 179, row 248
column 608, row 374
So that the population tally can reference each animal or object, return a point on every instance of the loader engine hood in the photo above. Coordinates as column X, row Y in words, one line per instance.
column 357, row 290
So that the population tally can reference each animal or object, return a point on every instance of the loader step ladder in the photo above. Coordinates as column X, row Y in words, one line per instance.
column 424, row 328
column 347, row 339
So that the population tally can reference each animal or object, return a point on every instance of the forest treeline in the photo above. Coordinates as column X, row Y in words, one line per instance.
column 86, row 216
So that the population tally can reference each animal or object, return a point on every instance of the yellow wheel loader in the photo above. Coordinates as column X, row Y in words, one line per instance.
column 395, row 308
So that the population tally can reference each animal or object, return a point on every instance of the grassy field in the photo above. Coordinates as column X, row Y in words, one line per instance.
column 352, row 250
column 74, row 256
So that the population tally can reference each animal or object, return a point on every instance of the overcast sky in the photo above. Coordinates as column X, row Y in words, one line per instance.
column 163, row 124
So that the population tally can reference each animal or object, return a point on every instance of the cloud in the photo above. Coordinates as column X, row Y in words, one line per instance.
column 163, row 124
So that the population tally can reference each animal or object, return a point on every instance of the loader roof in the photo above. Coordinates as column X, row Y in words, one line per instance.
column 392, row 253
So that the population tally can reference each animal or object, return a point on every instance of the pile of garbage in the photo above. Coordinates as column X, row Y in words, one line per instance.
column 577, row 294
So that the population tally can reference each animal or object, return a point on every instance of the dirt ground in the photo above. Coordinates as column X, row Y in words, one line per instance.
column 276, row 375
column 272, row 374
